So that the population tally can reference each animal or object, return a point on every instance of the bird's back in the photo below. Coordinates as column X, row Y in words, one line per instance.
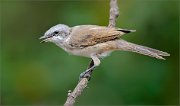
column 89, row 35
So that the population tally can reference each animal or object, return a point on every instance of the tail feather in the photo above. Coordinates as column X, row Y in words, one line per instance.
column 127, row 46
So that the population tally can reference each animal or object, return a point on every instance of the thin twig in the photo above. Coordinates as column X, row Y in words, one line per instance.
column 114, row 13
column 78, row 89
column 77, row 92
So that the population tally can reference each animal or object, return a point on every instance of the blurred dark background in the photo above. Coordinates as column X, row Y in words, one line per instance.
column 41, row 74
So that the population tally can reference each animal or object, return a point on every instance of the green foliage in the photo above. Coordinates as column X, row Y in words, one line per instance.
column 34, row 73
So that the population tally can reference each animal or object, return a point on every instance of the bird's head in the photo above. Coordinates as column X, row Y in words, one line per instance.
column 56, row 34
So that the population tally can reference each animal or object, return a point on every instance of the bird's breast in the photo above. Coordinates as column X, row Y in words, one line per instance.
column 101, row 50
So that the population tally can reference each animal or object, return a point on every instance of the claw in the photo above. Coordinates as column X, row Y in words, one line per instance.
column 85, row 74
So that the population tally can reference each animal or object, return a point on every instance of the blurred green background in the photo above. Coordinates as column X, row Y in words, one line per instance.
column 41, row 74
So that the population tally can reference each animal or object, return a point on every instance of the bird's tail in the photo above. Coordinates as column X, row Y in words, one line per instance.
column 127, row 46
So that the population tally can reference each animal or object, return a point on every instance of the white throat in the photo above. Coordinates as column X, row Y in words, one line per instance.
column 58, row 40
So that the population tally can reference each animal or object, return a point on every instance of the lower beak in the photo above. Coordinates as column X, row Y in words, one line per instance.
column 43, row 38
column 42, row 41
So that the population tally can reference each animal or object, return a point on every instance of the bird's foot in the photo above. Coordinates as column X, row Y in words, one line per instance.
column 85, row 74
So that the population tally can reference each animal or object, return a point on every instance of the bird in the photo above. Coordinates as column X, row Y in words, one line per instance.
column 95, row 42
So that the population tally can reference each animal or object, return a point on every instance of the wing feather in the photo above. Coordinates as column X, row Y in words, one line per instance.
column 88, row 35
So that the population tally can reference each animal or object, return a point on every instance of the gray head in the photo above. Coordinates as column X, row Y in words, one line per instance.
column 56, row 34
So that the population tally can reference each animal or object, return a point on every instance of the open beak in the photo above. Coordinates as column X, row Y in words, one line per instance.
column 43, row 38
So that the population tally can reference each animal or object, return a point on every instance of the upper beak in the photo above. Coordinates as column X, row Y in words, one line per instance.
column 43, row 37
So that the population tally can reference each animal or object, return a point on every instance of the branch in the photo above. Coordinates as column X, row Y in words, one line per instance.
column 77, row 92
column 78, row 89
column 114, row 13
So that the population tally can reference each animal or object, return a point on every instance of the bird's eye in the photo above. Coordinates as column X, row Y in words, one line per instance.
column 56, row 32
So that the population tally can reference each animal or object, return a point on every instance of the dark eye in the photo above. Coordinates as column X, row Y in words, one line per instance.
column 56, row 32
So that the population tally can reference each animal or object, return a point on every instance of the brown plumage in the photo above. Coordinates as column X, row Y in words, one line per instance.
column 127, row 46
column 89, row 35
column 107, row 39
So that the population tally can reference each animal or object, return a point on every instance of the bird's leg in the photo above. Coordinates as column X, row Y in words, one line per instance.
column 94, row 63
column 87, row 73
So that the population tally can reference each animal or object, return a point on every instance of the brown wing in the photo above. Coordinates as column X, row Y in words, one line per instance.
column 88, row 35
